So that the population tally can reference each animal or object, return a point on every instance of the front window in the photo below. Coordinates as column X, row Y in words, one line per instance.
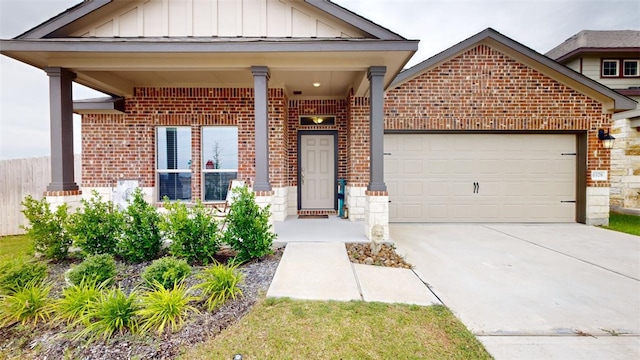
column 219, row 160
column 609, row 68
column 173, row 163
column 631, row 68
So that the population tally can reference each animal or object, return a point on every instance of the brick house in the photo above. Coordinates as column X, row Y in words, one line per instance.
column 612, row 58
column 292, row 95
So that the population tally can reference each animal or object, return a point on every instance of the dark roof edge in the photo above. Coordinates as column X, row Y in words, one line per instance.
column 621, row 102
column 355, row 20
column 582, row 50
column 161, row 45
column 63, row 19
column 113, row 103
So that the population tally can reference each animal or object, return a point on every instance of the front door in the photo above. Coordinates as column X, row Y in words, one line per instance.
column 317, row 172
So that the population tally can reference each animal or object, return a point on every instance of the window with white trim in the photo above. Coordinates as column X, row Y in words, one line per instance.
column 610, row 68
column 219, row 161
column 630, row 68
column 173, row 163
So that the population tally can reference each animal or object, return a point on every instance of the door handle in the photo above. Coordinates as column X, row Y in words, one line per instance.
column 302, row 176
column 476, row 187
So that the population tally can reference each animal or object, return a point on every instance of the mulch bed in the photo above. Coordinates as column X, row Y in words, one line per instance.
column 48, row 341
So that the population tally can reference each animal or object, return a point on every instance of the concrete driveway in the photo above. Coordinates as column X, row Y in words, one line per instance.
column 564, row 291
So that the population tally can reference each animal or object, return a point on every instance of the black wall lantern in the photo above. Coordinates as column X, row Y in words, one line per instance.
column 606, row 138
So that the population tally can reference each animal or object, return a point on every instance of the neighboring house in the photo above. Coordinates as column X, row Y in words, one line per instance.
column 613, row 59
column 289, row 96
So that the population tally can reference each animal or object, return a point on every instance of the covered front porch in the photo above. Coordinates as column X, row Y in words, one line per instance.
column 330, row 229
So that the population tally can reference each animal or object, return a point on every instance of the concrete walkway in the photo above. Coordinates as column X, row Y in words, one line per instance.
column 322, row 271
column 565, row 291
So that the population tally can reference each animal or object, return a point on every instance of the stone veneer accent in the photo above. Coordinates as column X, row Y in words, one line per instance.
column 597, row 206
column 356, row 201
column 625, row 166
column 376, row 211
column 70, row 197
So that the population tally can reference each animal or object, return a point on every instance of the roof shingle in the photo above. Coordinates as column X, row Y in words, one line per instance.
column 596, row 39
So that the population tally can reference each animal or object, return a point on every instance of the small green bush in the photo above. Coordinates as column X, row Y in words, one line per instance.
column 219, row 283
column 113, row 312
column 248, row 229
column 167, row 271
column 97, row 226
column 193, row 232
column 162, row 307
column 96, row 268
column 17, row 273
column 47, row 228
column 30, row 304
column 76, row 300
column 141, row 233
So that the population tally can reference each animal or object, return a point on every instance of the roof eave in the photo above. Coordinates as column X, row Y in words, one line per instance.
column 136, row 45
column 595, row 50
column 105, row 105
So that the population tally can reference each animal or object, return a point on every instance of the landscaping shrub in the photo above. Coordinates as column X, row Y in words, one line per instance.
column 17, row 273
column 96, row 268
column 113, row 312
column 76, row 299
column 96, row 227
column 29, row 304
column 47, row 228
column 193, row 232
column 167, row 271
column 248, row 229
column 162, row 307
column 141, row 233
column 219, row 283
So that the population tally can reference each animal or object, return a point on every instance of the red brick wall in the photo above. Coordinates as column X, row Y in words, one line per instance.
column 123, row 146
column 358, row 144
column 486, row 90
column 297, row 108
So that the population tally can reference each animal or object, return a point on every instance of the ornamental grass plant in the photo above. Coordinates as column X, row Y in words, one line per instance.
column 27, row 305
column 165, row 308
column 219, row 283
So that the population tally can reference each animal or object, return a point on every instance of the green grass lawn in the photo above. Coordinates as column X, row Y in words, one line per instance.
column 291, row 329
column 15, row 246
column 629, row 224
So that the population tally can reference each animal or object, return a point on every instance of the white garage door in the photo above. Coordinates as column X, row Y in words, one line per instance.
column 480, row 177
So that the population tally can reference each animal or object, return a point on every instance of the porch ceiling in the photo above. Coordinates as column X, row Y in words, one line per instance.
column 117, row 68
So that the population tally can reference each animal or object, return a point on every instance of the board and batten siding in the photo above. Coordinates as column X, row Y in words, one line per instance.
column 19, row 178
column 223, row 18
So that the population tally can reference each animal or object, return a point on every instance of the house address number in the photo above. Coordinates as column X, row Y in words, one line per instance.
column 599, row 175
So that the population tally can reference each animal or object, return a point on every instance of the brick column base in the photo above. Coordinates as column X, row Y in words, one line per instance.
column 263, row 199
column 376, row 212
column 70, row 197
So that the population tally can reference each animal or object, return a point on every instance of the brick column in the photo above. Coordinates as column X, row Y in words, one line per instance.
column 61, row 118
column 376, row 125
column 260, row 86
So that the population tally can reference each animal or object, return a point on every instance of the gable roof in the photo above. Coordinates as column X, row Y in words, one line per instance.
column 523, row 53
column 54, row 27
column 596, row 40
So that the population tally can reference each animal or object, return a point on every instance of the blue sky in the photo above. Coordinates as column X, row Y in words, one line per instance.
column 439, row 24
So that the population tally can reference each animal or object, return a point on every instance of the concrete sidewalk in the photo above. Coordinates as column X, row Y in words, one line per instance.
column 322, row 271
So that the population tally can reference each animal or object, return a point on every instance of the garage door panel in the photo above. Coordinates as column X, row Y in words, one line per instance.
column 522, row 178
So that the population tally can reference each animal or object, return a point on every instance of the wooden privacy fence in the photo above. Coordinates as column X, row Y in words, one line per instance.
column 19, row 178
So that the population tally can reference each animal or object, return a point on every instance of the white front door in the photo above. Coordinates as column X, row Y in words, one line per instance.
column 317, row 172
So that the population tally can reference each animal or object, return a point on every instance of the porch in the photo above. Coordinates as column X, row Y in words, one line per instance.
column 331, row 229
